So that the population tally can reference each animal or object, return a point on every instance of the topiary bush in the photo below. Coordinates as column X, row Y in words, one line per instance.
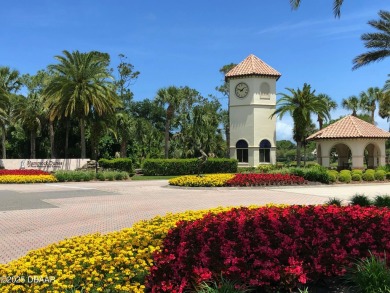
column 345, row 176
column 118, row 164
column 368, row 176
column 380, row 175
column 333, row 175
column 356, row 177
column 357, row 171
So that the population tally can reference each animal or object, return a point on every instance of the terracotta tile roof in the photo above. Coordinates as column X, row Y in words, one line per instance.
column 350, row 127
column 252, row 65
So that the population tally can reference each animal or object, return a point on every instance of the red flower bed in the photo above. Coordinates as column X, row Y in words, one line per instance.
column 269, row 248
column 264, row 179
column 23, row 172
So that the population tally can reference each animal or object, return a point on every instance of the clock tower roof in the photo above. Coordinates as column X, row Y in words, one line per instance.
column 252, row 66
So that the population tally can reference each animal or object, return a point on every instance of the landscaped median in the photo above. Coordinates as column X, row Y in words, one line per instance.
column 26, row 176
column 264, row 248
column 249, row 179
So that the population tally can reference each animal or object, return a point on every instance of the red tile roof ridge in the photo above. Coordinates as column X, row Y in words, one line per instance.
column 350, row 127
column 252, row 65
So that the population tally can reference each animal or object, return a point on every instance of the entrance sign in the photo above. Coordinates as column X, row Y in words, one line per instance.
column 48, row 165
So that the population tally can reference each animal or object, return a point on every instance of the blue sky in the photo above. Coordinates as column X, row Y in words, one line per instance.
column 186, row 43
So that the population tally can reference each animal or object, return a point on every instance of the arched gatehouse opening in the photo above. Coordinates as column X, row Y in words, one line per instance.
column 242, row 151
column 341, row 156
column 371, row 156
column 265, row 151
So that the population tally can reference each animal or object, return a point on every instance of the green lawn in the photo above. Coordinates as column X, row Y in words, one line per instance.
column 142, row 177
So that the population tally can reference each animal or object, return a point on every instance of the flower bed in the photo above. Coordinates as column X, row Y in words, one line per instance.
column 213, row 180
column 251, row 179
column 115, row 262
column 27, row 178
column 269, row 248
column 264, row 179
column 23, row 172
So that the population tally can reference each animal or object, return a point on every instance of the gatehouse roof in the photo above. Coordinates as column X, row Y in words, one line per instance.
column 350, row 127
column 252, row 66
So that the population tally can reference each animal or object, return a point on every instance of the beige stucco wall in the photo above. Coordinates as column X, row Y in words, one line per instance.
column 357, row 147
column 249, row 117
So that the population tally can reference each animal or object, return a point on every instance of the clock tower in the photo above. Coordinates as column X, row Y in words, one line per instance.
column 252, row 100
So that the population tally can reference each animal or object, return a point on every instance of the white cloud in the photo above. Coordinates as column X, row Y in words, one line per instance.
column 284, row 130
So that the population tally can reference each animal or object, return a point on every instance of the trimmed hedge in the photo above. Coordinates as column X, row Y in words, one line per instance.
column 167, row 167
column 118, row 164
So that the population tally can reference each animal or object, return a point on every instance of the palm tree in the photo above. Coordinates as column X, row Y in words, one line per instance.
column 10, row 83
column 125, row 128
column 300, row 104
column 368, row 101
column 352, row 103
column 384, row 105
column 4, row 119
column 332, row 105
column 171, row 97
column 378, row 43
column 28, row 112
column 336, row 6
column 80, row 85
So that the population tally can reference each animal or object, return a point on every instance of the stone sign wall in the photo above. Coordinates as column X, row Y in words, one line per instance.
column 48, row 165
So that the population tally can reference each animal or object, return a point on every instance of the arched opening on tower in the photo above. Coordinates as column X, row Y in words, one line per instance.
column 242, row 151
column 265, row 151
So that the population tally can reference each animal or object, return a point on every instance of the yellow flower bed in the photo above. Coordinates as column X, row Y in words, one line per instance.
column 27, row 178
column 212, row 180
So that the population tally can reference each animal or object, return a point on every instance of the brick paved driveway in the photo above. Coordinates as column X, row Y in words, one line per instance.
column 35, row 215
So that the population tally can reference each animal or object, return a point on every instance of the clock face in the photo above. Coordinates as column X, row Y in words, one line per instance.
column 242, row 90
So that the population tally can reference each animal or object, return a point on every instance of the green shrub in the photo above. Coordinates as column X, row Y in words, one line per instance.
column 333, row 175
column 380, row 175
column 109, row 175
column 166, row 167
column 361, row 200
column 370, row 171
column 317, row 174
column 388, row 176
column 246, row 170
column 265, row 168
column 100, row 176
column 118, row 164
column 369, row 275
column 382, row 201
column 384, row 168
column 77, row 176
column 357, row 171
column 368, row 176
column 356, row 177
column 345, row 176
